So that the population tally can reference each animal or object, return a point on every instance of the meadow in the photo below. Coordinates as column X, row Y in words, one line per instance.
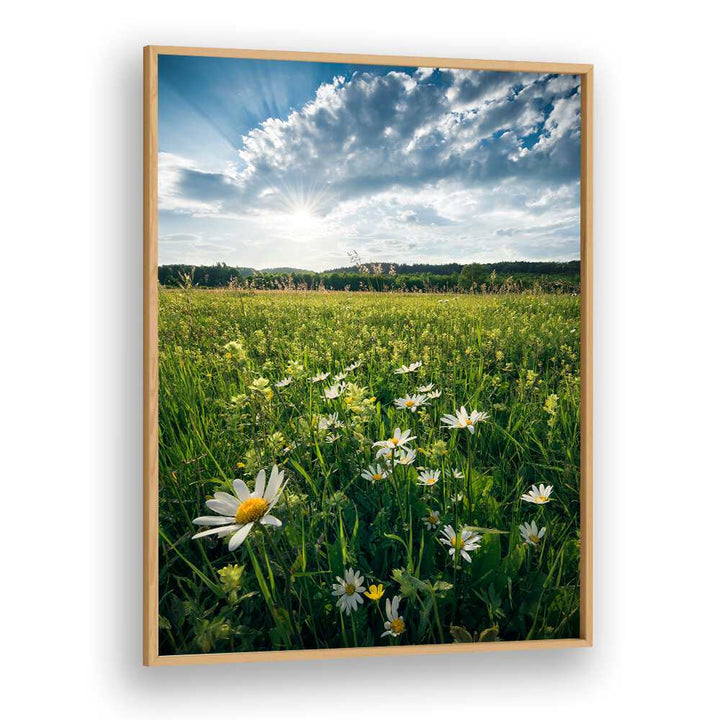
column 367, row 468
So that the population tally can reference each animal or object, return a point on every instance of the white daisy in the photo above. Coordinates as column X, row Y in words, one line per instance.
column 375, row 473
column 464, row 543
column 410, row 402
column 405, row 457
column 395, row 625
column 538, row 496
column 461, row 419
column 398, row 441
column 426, row 388
column 326, row 422
column 283, row 383
column 237, row 515
column 349, row 591
column 530, row 533
column 432, row 520
column 434, row 394
column 353, row 366
column 335, row 391
column 340, row 376
column 320, row 377
column 404, row 369
column 428, row 477
column 458, row 474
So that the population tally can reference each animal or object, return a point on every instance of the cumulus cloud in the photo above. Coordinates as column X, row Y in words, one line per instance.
column 403, row 156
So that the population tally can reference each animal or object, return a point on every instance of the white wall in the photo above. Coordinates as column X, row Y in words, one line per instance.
column 72, row 341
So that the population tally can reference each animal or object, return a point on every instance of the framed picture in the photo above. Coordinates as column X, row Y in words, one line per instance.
column 368, row 355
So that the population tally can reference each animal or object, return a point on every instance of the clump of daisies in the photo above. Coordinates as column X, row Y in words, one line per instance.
column 398, row 441
column 334, row 391
column 428, row 478
column 464, row 543
column 405, row 369
column 237, row 514
column 432, row 520
column 349, row 591
column 375, row 473
column 395, row 624
column 464, row 420
column 530, row 533
column 538, row 495
column 410, row 402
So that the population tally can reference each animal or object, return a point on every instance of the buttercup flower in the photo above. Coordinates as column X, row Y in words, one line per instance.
column 432, row 520
column 238, row 514
column 399, row 439
column 376, row 592
column 538, row 495
column 428, row 477
column 375, row 473
column 410, row 402
column 464, row 543
column 461, row 419
column 349, row 591
column 395, row 625
column 530, row 533
column 404, row 369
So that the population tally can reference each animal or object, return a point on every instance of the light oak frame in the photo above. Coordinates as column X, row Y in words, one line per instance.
column 151, row 655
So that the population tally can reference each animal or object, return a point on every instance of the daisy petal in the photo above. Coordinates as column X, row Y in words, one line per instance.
column 241, row 489
column 239, row 537
column 259, row 490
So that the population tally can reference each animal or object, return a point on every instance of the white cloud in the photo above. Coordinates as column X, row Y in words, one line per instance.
column 400, row 163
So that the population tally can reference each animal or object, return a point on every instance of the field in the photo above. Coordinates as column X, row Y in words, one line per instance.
column 242, row 390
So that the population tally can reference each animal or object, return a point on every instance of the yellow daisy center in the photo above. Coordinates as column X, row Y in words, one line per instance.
column 432, row 520
column 541, row 499
column 349, row 589
column 409, row 403
column 457, row 542
column 377, row 476
column 394, row 441
column 534, row 538
column 397, row 625
column 468, row 421
column 251, row 510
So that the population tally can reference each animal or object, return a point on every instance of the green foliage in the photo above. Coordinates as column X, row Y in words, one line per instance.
column 514, row 356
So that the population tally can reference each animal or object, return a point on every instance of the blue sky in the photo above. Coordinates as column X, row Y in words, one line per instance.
column 268, row 163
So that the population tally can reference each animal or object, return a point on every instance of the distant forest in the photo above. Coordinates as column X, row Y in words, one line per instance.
column 563, row 277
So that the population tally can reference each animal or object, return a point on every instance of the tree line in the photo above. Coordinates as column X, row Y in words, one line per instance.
column 386, row 277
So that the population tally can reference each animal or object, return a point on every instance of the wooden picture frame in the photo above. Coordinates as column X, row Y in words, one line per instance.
column 151, row 654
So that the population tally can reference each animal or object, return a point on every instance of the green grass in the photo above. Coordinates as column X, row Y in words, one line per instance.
column 515, row 357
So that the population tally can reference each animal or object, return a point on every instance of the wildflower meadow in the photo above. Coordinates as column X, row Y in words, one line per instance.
column 345, row 469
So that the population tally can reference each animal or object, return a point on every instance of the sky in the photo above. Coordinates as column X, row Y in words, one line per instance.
column 266, row 163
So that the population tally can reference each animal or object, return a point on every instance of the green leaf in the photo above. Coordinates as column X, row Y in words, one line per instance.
column 460, row 634
column 489, row 634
